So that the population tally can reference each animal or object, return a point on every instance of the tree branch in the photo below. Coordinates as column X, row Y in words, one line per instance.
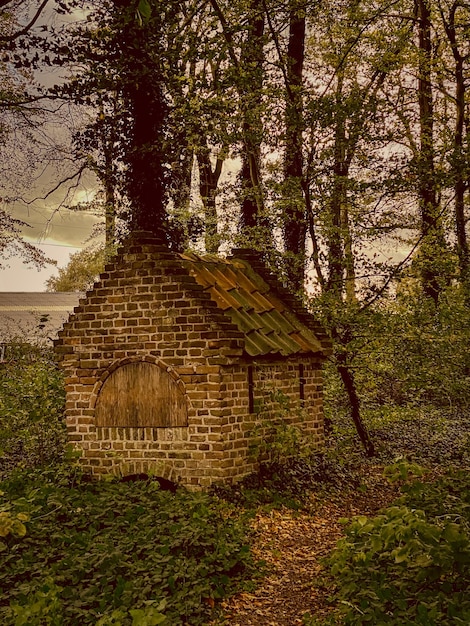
column 25, row 29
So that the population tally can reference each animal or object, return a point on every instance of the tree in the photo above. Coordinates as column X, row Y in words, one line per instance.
column 81, row 272
column 454, row 17
column 19, row 115
column 337, row 113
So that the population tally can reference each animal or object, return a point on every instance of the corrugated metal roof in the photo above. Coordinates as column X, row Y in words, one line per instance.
column 267, row 323
column 34, row 315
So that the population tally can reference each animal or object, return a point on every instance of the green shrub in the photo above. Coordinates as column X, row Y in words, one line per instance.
column 290, row 483
column 417, row 355
column 117, row 553
column 410, row 564
column 32, row 397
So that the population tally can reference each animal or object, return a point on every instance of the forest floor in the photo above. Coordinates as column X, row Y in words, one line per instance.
column 293, row 542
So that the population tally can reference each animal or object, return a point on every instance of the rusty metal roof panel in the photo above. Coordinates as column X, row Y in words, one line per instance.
column 223, row 298
column 258, row 344
column 245, row 322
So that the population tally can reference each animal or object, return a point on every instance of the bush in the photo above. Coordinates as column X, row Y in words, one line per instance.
column 417, row 355
column 411, row 563
column 117, row 553
column 290, row 482
column 32, row 401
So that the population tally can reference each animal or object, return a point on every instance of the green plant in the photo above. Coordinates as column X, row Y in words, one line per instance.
column 402, row 470
column 275, row 438
column 407, row 565
column 118, row 553
column 11, row 524
column 32, row 401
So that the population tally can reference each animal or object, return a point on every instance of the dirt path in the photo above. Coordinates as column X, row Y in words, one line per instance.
column 292, row 544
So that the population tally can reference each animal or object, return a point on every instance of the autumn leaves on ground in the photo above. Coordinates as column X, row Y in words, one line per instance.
column 294, row 542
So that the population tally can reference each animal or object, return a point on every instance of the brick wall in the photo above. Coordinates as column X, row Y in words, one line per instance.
column 148, row 308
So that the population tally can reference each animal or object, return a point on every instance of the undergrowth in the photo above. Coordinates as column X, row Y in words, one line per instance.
column 32, row 400
column 115, row 553
column 290, row 482
column 410, row 564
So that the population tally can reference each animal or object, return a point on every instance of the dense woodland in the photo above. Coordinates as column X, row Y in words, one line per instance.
column 335, row 138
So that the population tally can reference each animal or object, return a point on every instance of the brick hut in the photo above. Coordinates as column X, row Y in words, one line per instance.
column 175, row 361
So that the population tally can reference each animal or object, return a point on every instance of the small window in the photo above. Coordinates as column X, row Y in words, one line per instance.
column 140, row 395
column 302, row 382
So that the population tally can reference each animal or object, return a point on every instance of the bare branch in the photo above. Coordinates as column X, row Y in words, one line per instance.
column 25, row 29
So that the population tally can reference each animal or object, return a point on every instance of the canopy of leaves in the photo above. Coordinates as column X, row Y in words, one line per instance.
column 81, row 272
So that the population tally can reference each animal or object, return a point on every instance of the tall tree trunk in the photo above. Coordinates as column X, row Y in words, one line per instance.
column 336, row 262
column 295, row 218
column 108, row 180
column 460, row 164
column 208, row 182
column 433, row 242
column 142, row 93
column 252, row 60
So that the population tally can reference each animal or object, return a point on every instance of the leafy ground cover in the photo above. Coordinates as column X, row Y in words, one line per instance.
column 418, row 500
column 32, row 398
column 115, row 553
column 344, row 539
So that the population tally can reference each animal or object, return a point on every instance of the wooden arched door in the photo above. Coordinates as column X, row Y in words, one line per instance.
column 140, row 395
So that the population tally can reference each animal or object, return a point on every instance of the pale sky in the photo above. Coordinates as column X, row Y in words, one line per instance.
column 58, row 237
column 21, row 277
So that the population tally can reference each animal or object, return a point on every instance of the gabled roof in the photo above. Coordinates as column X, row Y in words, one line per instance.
column 34, row 316
column 268, row 323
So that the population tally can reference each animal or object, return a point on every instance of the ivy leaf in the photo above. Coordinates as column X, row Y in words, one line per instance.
column 144, row 11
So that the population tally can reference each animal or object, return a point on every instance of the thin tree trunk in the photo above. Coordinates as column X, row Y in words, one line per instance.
column 208, row 182
column 347, row 376
column 343, row 336
column 433, row 237
column 109, row 193
column 459, row 162
column 335, row 282
column 295, row 219
column 252, row 60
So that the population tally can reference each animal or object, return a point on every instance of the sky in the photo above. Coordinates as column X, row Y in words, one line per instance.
column 58, row 235
column 18, row 276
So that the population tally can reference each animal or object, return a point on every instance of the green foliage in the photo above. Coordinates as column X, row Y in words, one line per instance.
column 411, row 563
column 81, row 271
column 290, row 483
column 403, row 470
column 117, row 553
column 417, row 355
column 275, row 438
column 11, row 524
column 31, row 408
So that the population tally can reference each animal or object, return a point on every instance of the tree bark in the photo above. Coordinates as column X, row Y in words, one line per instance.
column 433, row 244
column 142, row 92
column 252, row 60
column 295, row 218
column 347, row 376
column 459, row 159
column 208, row 182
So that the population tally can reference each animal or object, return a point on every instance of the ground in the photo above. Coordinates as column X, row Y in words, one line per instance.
column 293, row 543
